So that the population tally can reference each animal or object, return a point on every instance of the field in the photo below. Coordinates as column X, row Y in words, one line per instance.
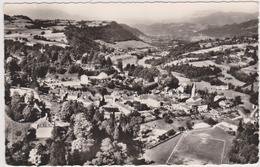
column 58, row 39
column 193, row 147
column 219, row 48
column 250, row 69
column 160, row 153
column 132, row 44
column 197, row 149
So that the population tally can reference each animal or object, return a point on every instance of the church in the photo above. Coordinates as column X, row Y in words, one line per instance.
column 195, row 99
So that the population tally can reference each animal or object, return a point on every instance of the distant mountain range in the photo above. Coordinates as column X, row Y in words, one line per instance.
column 242, row 29
column 218, row 24
column 223, row 18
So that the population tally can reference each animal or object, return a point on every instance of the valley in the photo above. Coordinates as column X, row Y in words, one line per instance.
column 97, row 92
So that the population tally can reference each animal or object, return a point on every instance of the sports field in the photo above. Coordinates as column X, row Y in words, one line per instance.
column 197, row 149
column 202, row 146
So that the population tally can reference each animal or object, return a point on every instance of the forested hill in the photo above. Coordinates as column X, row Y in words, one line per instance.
column 134, row 31
column 83, row 37
column 112, row 32
column 243, row 29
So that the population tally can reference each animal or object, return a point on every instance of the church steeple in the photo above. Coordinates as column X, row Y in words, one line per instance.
column 193, row 91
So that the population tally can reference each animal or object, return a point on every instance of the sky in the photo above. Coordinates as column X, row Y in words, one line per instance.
column 130, row 13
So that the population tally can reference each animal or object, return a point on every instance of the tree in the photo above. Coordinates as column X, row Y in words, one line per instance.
column 244, row 148
column 112, row 153
column 189, row 124
column 240, row 127
column 172, row 82
column 13, row 66
column 17, row 106
column 210, row 121
column 69, row 108
column 57, row 133
column 57, row 153
column 30, row 114
column 98, row 116
column 237, row 100
column 39, row 155
column 19, row 152
column 7, row 93
column 117, row 132
column 82, row 145
column 109, row 61
column 167, row 118
column 120, row 65
column 82, row 127
column 81, row 149
column 31, row 134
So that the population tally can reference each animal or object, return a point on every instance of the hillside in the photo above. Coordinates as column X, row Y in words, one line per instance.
column 83, row 37
column 112, row 32
column 134, row 31
column 206, row 25
column 245, row 28
column 17, row 22
column 223, row 18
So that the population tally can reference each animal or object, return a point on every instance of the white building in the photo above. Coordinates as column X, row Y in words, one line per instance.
column 43, row 128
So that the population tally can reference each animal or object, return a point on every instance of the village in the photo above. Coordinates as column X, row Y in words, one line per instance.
column 150, row 104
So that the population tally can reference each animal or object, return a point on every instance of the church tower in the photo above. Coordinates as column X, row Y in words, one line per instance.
column 193, row 91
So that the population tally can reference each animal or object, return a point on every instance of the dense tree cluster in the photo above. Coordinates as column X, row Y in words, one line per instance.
column 195, row 72
column 184, row 47
column 90, row 136
column 168, row 80
column 19, row 110
column 245, row 146
column 240, row 75
column 111, row 153
column 142, row 72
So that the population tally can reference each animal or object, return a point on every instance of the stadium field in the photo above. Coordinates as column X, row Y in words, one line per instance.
column 199, row 148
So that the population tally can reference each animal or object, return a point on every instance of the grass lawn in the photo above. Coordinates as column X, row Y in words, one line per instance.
column 198, row 149
column 160, row 153
column 202, row 146
column 131, row 44
column 250, row 69
column 162, row 125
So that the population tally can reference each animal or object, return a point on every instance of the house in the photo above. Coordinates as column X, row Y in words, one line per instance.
column 214, row 113
column 219, row 97
column 43, row 128
column 222, row 87
column 124, row 108
column 202, row 108
column 58, row 122
column 84, row 80
column 182, row 107
column 183, row 96
column 101, row 76
column 180, row 89
column 225, row 104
